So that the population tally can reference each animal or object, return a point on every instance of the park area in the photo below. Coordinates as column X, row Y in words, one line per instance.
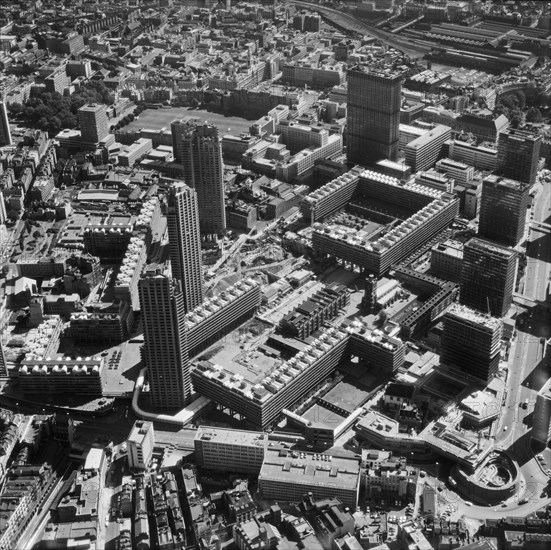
column 155, row 119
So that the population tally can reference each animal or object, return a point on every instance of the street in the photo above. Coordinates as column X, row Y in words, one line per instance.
column 527, row 372
column 538, row 253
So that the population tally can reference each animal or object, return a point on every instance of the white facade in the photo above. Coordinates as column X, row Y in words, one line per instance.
column 140, row 445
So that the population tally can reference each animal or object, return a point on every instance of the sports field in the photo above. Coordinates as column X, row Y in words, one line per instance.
column 155, row 119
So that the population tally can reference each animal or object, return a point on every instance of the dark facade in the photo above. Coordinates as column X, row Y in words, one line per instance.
column 503, row 210
column 311, row 314
column 5, row 134
column 165, row 345
column 518, row 153
column 185, row 243
column 94, row 125
column 373, row 118
column 480, row 358
column 198, row 148
column 488, row 277
column 369, row 301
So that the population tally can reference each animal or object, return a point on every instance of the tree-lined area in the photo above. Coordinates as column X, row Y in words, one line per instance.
column 52, row 112
column 533, row 105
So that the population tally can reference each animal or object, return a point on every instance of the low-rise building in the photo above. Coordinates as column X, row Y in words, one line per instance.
column 423, row 152
column 254, row 535
column 329, row 518
column 63, row 375
column 309, row 316
column 239, row 505
column 215, row 448
column 287, row 476
column 129, row 155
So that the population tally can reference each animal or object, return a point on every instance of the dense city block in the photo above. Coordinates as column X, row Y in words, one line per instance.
column 275, row 275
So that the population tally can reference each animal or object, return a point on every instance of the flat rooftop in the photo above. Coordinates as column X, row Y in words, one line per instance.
column 467, row 314
column 281, row 465
column 490, row 247
column 346, row 396
column 426, row 138
column 240, row 352
column 231, row 437
column 451, row 248
column 318, row 414
column 378, row 422
column 443, row 386
column 376, row 71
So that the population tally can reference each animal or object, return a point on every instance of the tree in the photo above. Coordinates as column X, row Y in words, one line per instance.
column 53, row 112
column 382, row 317
column 533, row 115
column 15, row 109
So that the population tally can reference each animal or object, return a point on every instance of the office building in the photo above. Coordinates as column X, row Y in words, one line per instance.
column 288, row 476
column 435, row 180
column 480, row 358
column 198, row 148
column 94, row 125
column 446, row 260
column 215, row 448
column 184, row 241
column 130, row 154
column 423, row 152
column 461, row 173
column 297, row 167
column 165, row 347
column 541, row 423
column 5, row 133
column 438, row 295
column 503, row 207
column 408, row 133
column 518, row 154
column 479, row 157
column 488, row 277
column 373, row 114
column 139, row 445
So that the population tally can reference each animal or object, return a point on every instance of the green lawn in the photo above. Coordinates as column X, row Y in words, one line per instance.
column 155, row 119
